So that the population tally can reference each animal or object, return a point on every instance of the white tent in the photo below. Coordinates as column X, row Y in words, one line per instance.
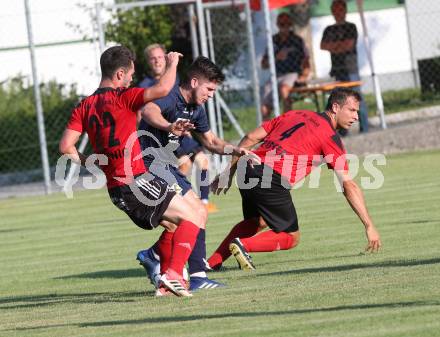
column 265, row 5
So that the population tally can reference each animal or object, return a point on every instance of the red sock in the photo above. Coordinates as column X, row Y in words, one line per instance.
column 163, row 247
column 268, row 241
column 243, row 229
column 184, row 239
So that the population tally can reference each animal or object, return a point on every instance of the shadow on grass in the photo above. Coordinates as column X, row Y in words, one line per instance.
column 126, row 273
column 53, row 299
column 384, row 264
column 289, row 260
column 139, row 272
column 422, row 221
column 115, row 274
column 174, row 318
column 12, row 230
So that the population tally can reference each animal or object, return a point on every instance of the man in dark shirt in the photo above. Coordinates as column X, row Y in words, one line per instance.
column 292, row 145
column 183, row 103
column 291, row 62
column 340, row 40
column 190, row 150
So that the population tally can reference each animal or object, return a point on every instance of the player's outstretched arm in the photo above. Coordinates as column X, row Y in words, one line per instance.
column 152, row 114
column 166, row 82
column 222, row 182
column 67, row 146
column 217, row 145
column 355, row 198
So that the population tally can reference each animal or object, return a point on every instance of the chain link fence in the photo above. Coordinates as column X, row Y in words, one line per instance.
column 59, row 41
column 231, row 46
column 398, row 45
column 403, row 36
column 423, row 33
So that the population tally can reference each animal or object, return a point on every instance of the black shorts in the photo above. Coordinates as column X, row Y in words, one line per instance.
column 144, row 201
column 273, row 203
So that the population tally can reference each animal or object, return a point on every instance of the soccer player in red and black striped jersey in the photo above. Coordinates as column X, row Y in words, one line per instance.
column 291, row 143
column 108, row 116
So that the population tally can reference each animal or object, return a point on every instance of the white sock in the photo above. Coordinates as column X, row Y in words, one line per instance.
column 156, row 256
column 198, row 274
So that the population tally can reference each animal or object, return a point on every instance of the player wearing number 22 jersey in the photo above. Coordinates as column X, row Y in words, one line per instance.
column 291, row 145
column 109, row 118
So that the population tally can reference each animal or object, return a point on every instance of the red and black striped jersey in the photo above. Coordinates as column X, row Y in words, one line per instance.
column 109, row 118
column 299, row 140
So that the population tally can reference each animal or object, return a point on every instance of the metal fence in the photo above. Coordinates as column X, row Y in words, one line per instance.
column 37, row 47
column 402, row 39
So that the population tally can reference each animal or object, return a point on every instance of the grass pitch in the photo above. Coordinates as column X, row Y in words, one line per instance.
column 68, row 268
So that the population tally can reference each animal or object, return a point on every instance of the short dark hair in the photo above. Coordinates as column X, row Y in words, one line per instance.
column 204, row 67
column 339, row 95
column 114, row 58
column 284, row 17
column 339, row 2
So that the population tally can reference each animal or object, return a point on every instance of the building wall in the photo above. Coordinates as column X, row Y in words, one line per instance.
column 69, row 58
column 424, row 28
column 387, row 30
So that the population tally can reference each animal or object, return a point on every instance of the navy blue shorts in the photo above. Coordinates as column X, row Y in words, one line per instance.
column 188, row 145
column 181, row 180
column 171, row 175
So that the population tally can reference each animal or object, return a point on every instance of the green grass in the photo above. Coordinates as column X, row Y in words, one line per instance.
column 401, row 100
column 68, row 268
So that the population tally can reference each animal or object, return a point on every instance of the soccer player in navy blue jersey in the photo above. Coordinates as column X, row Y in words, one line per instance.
column 108, row 116
column 185, row 103
column 190, row 150
column 289, row 147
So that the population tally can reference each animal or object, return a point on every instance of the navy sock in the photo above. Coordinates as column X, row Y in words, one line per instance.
column 204, row 185
column 196, row 261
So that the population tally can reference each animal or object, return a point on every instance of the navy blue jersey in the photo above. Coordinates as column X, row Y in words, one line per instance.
column 147, row 82
column 173, row 107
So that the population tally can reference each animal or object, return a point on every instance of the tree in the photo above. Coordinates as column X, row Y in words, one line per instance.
column 169, row 25
column 139, row 27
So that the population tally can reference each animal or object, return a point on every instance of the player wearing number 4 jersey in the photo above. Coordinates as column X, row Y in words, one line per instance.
column 290, row 145
column 109, row 118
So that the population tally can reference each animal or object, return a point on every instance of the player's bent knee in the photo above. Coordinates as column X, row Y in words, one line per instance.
column 194, row 215
column 185, row 166
column 201, row 160
column 296, row 238
column 179, row 209
column 169, row 226
column 262, row 224
column 194, row 218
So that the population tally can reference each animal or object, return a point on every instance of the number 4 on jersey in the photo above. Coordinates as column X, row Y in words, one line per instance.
column 286, row 134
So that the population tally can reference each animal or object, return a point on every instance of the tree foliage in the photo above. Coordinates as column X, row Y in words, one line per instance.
column 19, row 142
column 169, row 25
column 137, row 28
